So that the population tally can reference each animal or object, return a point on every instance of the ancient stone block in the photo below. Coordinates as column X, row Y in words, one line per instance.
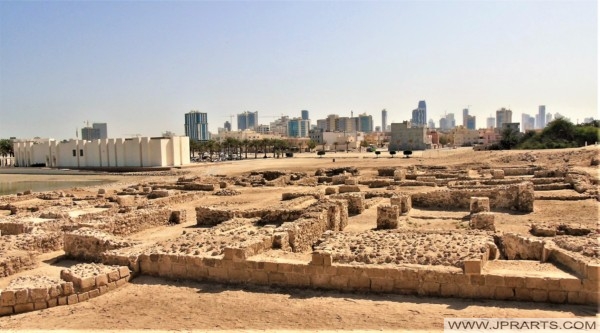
column 81, row 297
column 331, row 190
column 556, row 296
column 67, row 288
column 124, row 271
column 399, row 175
column 62, row 300
column 351, row 181
column 381, row 284
column 38, row 294
column 72, row 299
column 504, row 293
column 574, row 297
column 593, row 272
column 348, row 188
column 403, row 201
column 40, row 305
column 52, row 302
column 21, row 296
column 497, row 174
column 482, row 221
column 6, row 310
column 7, row 298
column 26, row 307
column 538, row 295
column 479, row 204
column 387, row 217
column 450, row 290
column 101, row 280
column 178, row 216
column 94, row 293
column 472, row 267
column 121, row 282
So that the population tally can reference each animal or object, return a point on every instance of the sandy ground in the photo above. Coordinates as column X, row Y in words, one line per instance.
column 156, row 304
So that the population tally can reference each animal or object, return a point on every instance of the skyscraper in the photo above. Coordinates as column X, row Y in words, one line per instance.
column 471, row 122
column 528, row 122
column 365, row 123
column 227, row 126
column 419, row 115
column 196, row 126
column 305, row 115
column 297, row 128
column 490, row 122
column 383, row 119
column 247, row 120
column 102, row 129
column 541, row 117
column 97, row 131
column 503, row 116
column 465, row 117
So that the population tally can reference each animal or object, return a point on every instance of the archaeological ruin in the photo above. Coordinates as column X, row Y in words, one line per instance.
column 472, row 232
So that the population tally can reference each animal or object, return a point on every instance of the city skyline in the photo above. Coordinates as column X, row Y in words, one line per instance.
column 139, row 66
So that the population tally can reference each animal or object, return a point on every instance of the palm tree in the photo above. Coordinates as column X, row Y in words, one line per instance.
column 324, row 143
column 347, row 143
column 245, row 143
column 335, row 144
column 311, row 145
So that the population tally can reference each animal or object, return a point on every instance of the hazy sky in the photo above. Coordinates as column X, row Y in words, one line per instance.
column 140, row 66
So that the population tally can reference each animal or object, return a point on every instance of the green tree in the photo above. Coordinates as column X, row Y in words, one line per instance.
column 311, row 145
column 509, row 139
column 6, row 147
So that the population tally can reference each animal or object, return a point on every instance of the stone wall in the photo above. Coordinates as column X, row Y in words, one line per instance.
column 24, row 295
column 518, row 247
column 89, row 244
column 14, row 228
column 15, row 261
column 404, row 279
column 356, row 202
column 518, row 197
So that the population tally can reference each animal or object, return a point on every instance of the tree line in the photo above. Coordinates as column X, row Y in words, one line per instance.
column 230, row 146
column 560, row 133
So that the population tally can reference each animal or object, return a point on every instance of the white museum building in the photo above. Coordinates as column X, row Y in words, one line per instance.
column 139, row 152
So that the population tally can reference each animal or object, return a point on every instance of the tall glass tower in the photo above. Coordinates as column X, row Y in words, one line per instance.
column 196, row 125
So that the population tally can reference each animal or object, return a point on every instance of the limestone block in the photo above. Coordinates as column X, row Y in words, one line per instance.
column 450, row 290
column 351, row 181
column 426, row 179
column 557, row 296
column 6, row 310
column 52, row 302
column 54, row 291
column 348, row 188
column 331, row 190
column 7, row 298
column 482, row 221
column 479, row 204
column 72, row 299
column 504, row 293
column 574, row 297
column 498, row 174
column 94, row 293
column 38, row 294
column 113, row 276
column 101, row 280
column 338, row 179
column 124, row 271
column 62, row 300
column 20, row 308
column 40, row 305
column 21, row 296
column 178, row 216
column 387, row 217
column 83, row 297
column 593, row 272
column 403, row 201
column 67, row 288
column 472, row 267
column 399, row 175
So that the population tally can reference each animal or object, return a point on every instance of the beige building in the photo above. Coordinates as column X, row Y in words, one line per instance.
column 463, row 136
column 104, row 153
column 406, row 137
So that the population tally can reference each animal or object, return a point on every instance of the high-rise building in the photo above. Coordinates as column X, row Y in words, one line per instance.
column 528, row 122
column 471, row 122
column 447, row 122
column 97, row 131
column 365, row 123
column 247, row 120
column 305, row 115
column 384, row 119
column 503, row 116
column 548, row 118
column 196, row 126
column 227, row 126
column 541, row 116
column 102, row 128
column 465, row 117
column 490, row 122
column 419, row 115
column 298, row 128
column 431, row 124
